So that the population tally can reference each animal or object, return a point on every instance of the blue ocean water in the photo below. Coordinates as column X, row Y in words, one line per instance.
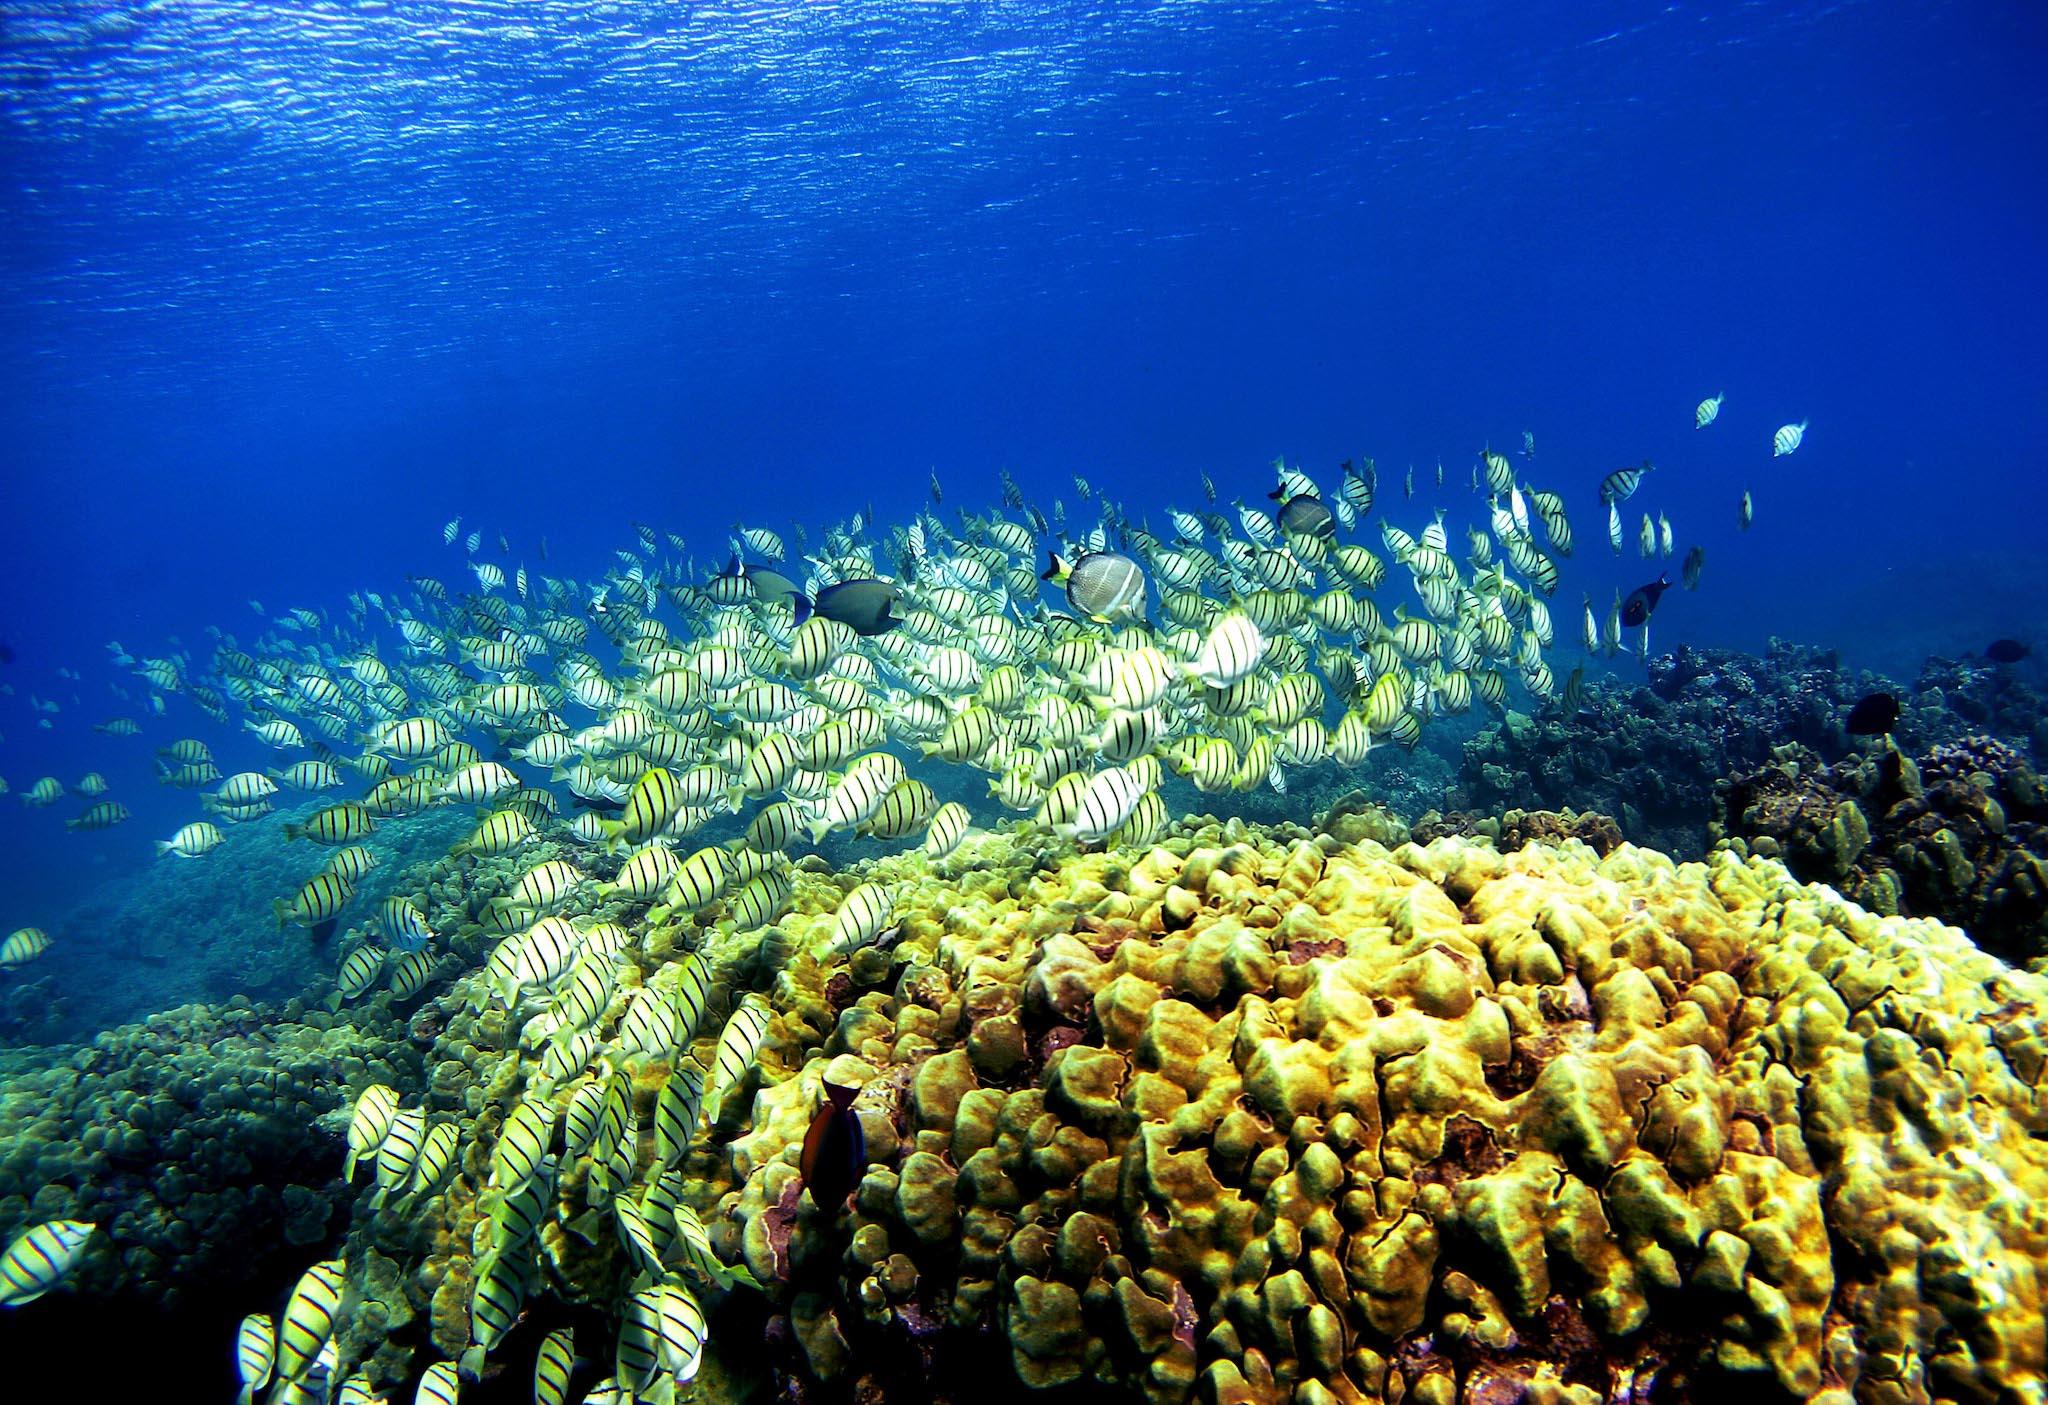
column 283, row 288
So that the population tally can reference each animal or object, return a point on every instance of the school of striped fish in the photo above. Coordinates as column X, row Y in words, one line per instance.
column 600, row 727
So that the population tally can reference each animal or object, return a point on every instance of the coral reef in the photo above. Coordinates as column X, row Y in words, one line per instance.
column 1518, row 828
column 1960, row 834
column 1955, row 696
column 1262, row 1115
column 1649, row 755
column 1257, row 1114
column 192, row 1139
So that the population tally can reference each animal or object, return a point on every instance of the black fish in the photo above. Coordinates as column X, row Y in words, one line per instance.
column 1642, row 601
column 770, row 585
column 2005, row 651
column 1873, row 716
column 1305, row 516
column 835, row 1151
column 863, row 605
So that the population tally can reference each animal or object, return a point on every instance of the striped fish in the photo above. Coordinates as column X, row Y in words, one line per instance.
column 553, row 1366
column 1105, row 803
column 367, row 1125
column 23, row 945
column 359, row 971
column 497, row 1295
column 637, row 1236
column 437, row 1157
column 663, row 1331
column 738, row 1045
column 643, row 875
column 522, row 1143
column 677, row 1111
column 255, row 1354
column 650, row 805
column 579, row 1118
column 700, row 879
column 402, row 924
column 399, row 1152
column 948, row 826
column 904, row 810
column 410, row 973
column 500, row 833
column 309, row 1318
column 1788, row 439
column 862, row 915
column 581, row 997
column 316, row 903
column 439, row 1385
column 650, row 1028
column 409, row 739
column 517, row 1215
column 1619, row 486
column 539, row 956
column 39, row 1258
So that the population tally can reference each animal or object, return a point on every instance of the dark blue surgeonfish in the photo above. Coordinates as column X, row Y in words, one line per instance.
column 865, row 606
column 1304, row 515
column 2005, row 651
column 1874, row 716
column 1642, row 601
column 763, row 583
column 835, row 1150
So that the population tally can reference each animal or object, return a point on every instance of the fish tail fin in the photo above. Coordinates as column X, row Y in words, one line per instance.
column 819, row 829
column 471, row 1364
column 1058, row 570
column 277, row 910
column 293, row 831
column 800, row 606
column 163, row 846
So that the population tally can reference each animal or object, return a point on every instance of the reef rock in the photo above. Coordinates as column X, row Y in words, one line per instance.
column 1300, row 1119
column 1960, row 835
column 1650, row 755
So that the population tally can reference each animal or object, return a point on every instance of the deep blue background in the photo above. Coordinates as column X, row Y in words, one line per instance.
column 280, row 293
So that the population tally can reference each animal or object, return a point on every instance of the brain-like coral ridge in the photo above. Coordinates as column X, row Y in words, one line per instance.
column 1260, row 1117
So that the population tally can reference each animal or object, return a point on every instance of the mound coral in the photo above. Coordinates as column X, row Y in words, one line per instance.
column 1256, row 1114
column 1960, row 835
column 1264, row 1115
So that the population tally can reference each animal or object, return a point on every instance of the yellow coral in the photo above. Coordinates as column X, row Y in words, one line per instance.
column 1282, row 1116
